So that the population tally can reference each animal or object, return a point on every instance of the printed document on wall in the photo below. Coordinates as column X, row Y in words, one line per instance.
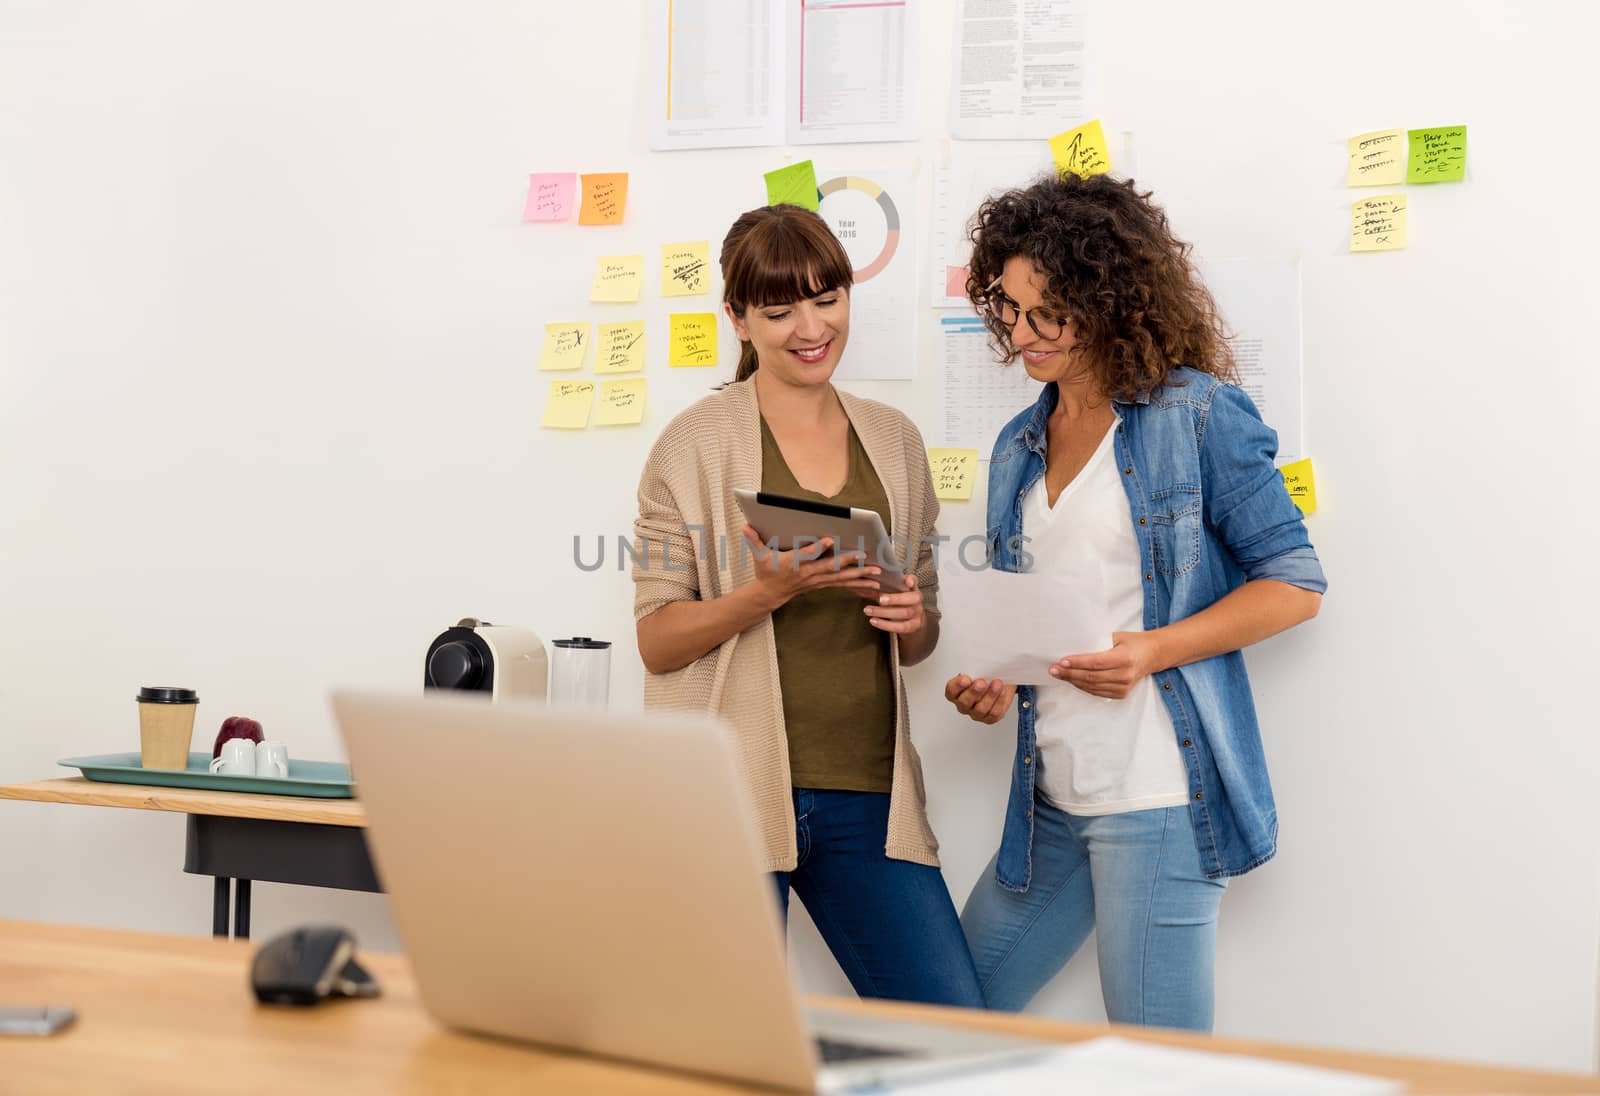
column 852, row 71
column 1022, row 68
column 1260, row 302
column 868, row 213
column 717, row 74
column 980, row 394
column 958, row 190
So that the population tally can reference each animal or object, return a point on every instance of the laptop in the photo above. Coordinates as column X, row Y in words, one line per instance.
column 592, row 882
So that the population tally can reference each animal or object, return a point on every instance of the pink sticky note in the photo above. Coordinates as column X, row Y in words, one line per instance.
column 955, row 281
column 550, row 196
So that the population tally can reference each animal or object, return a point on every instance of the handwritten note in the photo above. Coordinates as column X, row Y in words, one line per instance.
column 1302, row 484
column 550, row 196
column 1377, row 158
column 692, row 340
column 568, row 405
column 605, row 199
column 1081, row 151
column 793, row 185
column 954, row 471
column 565, row 346
column 1438, row 155
column 621, row 403
column 621, row 348
column 617, row 278
column 685, row 269
column 1378, row 224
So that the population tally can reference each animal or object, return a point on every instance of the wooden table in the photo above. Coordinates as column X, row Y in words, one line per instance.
column 171, row 1014
column 237, row 837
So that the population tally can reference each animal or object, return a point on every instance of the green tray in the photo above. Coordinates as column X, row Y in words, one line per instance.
column 322, row 779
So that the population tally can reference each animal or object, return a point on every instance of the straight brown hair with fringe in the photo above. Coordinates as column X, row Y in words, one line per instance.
column 779, row 254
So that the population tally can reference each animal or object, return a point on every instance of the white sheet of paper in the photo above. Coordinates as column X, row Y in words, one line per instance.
column 1260, row 300
column 717, row 71
column 958, row 189
column 852, row 71
column 980, row 394
column 870, row 212
column 1013, row 626
column 1112, row 1066
column 1022, row 70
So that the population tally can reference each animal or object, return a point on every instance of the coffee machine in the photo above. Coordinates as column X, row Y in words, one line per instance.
column 499, row 659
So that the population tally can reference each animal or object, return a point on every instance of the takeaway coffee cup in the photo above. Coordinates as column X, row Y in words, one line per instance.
column 166, row 724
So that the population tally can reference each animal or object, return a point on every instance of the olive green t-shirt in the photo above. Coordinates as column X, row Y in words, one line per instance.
column 833, row 667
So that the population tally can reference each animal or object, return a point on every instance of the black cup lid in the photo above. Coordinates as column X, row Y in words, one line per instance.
column 166, row 694
column 582, row 643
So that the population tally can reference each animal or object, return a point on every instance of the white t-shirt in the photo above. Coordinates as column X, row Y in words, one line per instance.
column 1095, row 755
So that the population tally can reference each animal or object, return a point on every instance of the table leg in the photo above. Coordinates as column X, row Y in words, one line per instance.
column 219, row 907
column 241, row 909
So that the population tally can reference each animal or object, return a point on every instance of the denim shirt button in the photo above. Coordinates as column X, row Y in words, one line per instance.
column 1199, row 795
column 1141, row 521
column 1027, row 704
column 1148, row 577
column 1027, row 761
column 1186, row 742
column 1167, row 685
column 1127, row 471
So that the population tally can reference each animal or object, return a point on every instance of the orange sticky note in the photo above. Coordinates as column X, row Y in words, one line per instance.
column 605, row 198
column 955, row 281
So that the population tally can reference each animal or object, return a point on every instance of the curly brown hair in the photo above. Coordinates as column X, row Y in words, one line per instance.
column 1111, row 264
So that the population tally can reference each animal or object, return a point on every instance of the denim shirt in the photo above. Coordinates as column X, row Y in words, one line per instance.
column 1210, row 512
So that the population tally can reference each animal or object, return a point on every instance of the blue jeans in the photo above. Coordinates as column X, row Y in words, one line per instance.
column 890, row 923
column 1136, row 880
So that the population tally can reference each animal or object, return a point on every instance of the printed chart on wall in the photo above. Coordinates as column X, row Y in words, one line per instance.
column 958, row 190
column 728, row 73
column 852, row 70
column 867, row 213
column 980, row 394
column 717, row 68
column 1260, row 300
column 1022, row 69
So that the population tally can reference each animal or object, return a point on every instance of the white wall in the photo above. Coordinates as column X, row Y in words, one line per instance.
column 268, row 417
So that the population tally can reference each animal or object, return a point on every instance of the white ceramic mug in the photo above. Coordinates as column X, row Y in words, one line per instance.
column 272, row 759
column 238, row 758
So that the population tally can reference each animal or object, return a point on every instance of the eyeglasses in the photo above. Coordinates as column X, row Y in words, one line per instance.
column 1047, row 326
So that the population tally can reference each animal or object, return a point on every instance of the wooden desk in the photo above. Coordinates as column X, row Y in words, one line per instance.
column 237, row 837
column 174, row 1014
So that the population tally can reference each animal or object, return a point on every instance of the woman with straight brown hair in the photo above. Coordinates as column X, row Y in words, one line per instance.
column 800, row 653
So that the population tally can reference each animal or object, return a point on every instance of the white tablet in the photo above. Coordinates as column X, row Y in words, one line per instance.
column 788, row 520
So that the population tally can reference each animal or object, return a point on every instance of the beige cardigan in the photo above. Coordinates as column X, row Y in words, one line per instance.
column 701, row 456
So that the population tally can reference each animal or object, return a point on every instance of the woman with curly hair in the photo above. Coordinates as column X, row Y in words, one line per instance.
column 1139, row 784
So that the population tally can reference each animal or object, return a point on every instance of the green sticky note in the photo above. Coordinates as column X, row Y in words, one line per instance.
column 1437, row 155
column 795, row 184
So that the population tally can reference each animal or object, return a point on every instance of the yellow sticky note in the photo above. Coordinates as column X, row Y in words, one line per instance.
column 685, row 269
column 692, row 340
column 605, row 199
column 1377, row 158
column 565, row 346
column 567, row 406
column 621, row 403
column 621, row 348
column 1081, row 151
column 1302, row 484
column 617, row 278
column 1378, row 224
column 954, row 471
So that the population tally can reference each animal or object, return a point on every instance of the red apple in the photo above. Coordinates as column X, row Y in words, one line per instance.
column 236, row 726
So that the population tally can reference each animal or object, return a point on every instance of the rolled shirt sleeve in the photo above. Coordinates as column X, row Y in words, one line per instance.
column 1247, row 503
